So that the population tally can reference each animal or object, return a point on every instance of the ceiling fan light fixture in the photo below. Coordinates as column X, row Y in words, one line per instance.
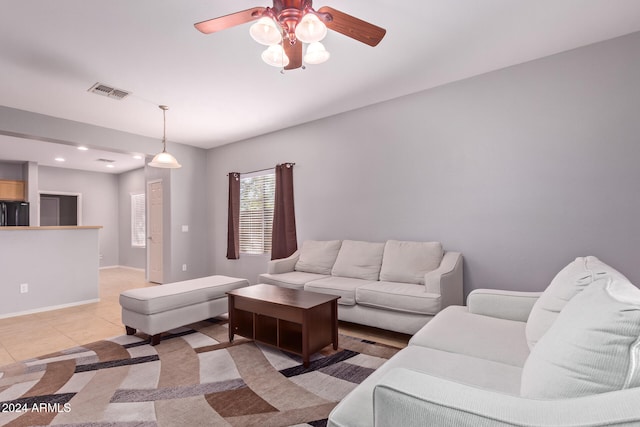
column 310, row 29
column 275, row 56
column 266, row 32
column 316, row 54
column 164, row 159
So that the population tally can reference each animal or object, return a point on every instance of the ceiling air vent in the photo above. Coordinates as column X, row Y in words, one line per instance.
column 109, row 91
column 105, row 160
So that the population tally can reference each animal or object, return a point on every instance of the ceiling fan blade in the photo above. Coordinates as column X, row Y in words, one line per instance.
column 228, row 21
column 294, row 52
column 353, row 27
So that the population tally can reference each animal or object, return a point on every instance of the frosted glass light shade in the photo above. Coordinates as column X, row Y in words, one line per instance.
column 310, row 29
column 316, row 54
column 275, row 56
column 164, row 160
column 265, row 32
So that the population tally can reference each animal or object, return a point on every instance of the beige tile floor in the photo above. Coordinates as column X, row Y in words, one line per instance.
column 24, row 337
column 28, row 336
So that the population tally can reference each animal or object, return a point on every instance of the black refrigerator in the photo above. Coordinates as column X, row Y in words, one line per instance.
column 14, row 214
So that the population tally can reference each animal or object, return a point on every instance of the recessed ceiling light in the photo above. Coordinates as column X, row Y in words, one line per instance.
column 59, row 159
column 137, row 157
column 110, row 166
column 82, row 148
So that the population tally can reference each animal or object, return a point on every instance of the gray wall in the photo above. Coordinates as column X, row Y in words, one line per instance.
column 521, row 170
column 132, row 182
column 99, row 202
column 11, row 171
column 66, row 271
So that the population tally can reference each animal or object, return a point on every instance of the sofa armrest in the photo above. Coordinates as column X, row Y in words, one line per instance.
column 446, row 280
column 283, row 265
column 509, row 305
column 408, row 398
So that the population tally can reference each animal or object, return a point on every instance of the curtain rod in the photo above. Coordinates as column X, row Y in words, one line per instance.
column 262, row 170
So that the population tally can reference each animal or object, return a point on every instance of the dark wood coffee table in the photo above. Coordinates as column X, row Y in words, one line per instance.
column 296, row 321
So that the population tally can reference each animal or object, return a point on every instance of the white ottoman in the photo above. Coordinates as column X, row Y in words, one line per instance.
column 157, row 309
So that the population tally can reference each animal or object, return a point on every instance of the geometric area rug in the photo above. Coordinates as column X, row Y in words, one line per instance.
column 194, row 377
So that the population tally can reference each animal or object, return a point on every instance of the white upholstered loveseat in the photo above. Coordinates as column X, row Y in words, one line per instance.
column 569, row 356
column 396, row 285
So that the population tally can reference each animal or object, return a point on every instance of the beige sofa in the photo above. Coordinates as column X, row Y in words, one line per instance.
column 566, row 357
column 396, row 285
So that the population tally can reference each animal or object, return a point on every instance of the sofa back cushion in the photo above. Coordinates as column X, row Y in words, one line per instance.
column 318, row 256
column 407, row 262
column 360, row 260
column 565, row 285
column 592, row 347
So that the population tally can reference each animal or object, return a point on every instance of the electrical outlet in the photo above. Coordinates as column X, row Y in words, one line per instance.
column 24, row 288
column 184, row 267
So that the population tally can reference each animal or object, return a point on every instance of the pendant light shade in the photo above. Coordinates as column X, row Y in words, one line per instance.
column 164, row 159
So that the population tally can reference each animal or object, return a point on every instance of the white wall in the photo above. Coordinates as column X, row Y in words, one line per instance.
column 99, row 202
column 521, row 170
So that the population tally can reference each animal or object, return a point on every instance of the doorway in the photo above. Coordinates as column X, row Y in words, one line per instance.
column 60, row 209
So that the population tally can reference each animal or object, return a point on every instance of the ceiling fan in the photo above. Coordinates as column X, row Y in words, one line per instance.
column 289, row 22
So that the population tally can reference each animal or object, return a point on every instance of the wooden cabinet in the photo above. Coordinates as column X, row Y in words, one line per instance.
column 11, row 190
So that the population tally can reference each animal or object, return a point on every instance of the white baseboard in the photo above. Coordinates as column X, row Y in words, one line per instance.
column 49, row 308
column 121, row 266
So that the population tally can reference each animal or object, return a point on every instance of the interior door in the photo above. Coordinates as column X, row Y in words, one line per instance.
column 154, row 239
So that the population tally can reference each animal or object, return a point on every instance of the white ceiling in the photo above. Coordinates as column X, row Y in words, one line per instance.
column 218, row 89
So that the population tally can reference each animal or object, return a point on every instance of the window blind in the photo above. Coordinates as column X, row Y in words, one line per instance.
column 138, row 223
column 257, row 193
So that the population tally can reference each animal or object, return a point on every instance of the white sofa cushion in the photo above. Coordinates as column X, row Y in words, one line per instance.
column 565, row 285
column 292, row 279
column 318, row 256
column 408, row 262
column 592, row 347
column 405, row 297
column 359, row 260
column 345, row 287
column 456, row 330
column 356, row 409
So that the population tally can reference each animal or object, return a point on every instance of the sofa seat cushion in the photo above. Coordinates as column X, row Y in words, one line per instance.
column 408, row 262
column 456, row 330
column 345, row 287
column 571, row 280
column 356, row 409
column 318, row 256
column 293, row 279
column 406, row 297
column 592, row 347
column 359, row 260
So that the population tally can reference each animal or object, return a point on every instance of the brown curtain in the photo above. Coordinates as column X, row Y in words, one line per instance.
column 283, row 238
column 233, row 228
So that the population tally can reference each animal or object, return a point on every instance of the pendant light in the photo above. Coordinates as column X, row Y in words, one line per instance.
column 164, row 159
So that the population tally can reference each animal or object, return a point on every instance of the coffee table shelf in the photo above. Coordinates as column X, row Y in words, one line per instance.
column 296, row 321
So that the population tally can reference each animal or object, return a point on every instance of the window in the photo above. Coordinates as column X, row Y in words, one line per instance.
column 138, row 227
column 257, row 193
